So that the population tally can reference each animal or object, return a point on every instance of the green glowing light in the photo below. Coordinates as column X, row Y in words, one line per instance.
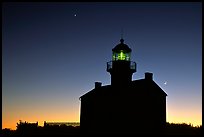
column 121, row 56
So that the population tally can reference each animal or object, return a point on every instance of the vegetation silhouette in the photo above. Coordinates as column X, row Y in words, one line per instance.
column 32, row 129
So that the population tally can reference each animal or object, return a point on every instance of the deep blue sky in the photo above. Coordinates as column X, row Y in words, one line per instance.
column 54, row 52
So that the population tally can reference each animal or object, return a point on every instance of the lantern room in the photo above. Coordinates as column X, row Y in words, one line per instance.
column 121, row 52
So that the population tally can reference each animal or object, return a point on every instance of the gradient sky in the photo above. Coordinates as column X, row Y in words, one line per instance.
column 54, row 52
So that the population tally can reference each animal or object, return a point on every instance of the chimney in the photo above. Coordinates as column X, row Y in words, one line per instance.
column 97, row 85
column 148, row 76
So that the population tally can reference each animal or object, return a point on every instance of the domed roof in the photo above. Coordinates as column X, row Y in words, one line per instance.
column 121, row 46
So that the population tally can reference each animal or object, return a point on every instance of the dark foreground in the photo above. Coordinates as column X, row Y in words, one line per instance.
column 171, row 129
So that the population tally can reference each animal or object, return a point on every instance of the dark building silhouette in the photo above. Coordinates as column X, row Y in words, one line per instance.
column 125, row 106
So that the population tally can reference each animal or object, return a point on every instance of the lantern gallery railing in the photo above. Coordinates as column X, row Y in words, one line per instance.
column 132, row 66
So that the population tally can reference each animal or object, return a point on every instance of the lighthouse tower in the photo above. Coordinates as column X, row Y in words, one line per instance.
column 121, row 67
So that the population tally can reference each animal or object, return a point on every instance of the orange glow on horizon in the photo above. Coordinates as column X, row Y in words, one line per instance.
column 11, row 124
column 180, row 114
column 194, row 119
column 11, row 117
column 71, row 113
column 8, row 122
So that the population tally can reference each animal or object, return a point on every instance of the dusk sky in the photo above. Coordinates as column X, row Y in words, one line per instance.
column 52, row 53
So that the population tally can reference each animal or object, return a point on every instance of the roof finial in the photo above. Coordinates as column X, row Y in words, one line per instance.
column 121, row 33
column 122, row 40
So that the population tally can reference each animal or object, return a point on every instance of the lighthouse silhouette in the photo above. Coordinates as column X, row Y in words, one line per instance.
column 125, row 106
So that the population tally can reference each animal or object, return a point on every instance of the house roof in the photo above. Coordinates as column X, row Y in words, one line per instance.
column 141, row 85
